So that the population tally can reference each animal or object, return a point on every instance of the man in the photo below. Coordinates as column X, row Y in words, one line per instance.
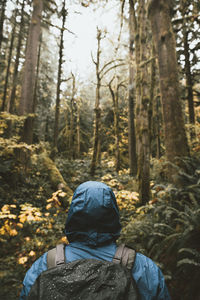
column 92, row 228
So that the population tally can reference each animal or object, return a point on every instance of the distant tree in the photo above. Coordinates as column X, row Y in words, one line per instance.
column 10, row 56
column 2, row 19
column 131, row 99
column 96, row 146
column 175, row 137
column 115, row 99
column 78, row 128
column 186, row 25
column 11, row 102
column 59, row 79
column 72, row 121
column 100, row 73
column 28, row 82
column 142, row 102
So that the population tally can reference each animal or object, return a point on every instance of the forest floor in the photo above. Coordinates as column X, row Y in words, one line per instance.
column 33, row 220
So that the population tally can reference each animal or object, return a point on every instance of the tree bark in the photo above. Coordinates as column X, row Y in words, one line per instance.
column 57, row 111
column 175, row 137
column 2, row 19
column 11, row 103
column 9, row 60
column 96, row 146
column 131, row 111
column 189, row 81
column 78, row 127
column 28, row 82
column 71, row 136
column 115, row 97
column 143, row 172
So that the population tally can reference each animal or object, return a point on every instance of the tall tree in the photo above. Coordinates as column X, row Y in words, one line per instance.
column 100, row 73
column 78, row 128
column 142, row 104
column 115, row 98
column 188, row 73
column 57, row 110
column 71, row 136
column 175, row 137
column 28, row 82
column 10, row 56
column 2, row 19
column 96, row 146
column 11, row 101
column 131, row 110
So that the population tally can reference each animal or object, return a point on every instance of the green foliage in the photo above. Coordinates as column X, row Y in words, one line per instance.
column 169, row 231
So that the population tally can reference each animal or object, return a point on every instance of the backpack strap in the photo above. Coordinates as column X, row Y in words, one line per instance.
column 56, row 256
column 125, row 256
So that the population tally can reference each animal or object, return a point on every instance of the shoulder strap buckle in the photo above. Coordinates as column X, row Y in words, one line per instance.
column 125, row 256
column 56, row 256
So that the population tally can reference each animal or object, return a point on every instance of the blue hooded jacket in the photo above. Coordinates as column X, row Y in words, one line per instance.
column 92, row 228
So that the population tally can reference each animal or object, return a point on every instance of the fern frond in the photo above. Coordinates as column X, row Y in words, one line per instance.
column 163, row 225
column 187, row 261
column 194, row 252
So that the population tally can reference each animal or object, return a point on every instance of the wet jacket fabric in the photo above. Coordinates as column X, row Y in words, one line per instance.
column 92, row 228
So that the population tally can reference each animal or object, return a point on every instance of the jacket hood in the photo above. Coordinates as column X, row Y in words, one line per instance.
column 93, row 216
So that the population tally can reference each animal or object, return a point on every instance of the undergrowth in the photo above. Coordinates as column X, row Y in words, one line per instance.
column 168, row 231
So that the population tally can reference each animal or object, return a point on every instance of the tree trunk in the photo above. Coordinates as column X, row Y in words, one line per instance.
column 151, row 100
column 143, row 146
column 11, row 102
column 157, row 124
column 9, row 59
column 2, row 19
column 175, row 136
column 71, row 136
column 28, row 81
column 131, row 112
column 57, row 111
column 97, row 145
column 78, row 132
column 189, row 82
column 37, row 76
column 115, row 96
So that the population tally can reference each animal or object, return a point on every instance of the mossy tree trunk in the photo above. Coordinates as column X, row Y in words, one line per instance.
column 131, row 100
column 28, row 81
column 142, row 102
column 78, row 129
column 3, row 108
column 188, row 74
column 2, row 19
column 115, row 98
column 151, row 99
column 176, row 144
column 57, row 110
column 97, row 121
column 11, row 103
column 71, row 136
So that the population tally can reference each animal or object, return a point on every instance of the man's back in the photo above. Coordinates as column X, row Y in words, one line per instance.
column 147, row 275
column 92, row 228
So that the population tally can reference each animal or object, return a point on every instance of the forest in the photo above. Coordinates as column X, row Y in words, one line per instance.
column 107, row 91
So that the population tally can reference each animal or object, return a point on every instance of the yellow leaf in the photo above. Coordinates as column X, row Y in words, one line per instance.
column 48, row 206
column 22, row 260
column 32, row 253
column 13, row 232
column 20, row 225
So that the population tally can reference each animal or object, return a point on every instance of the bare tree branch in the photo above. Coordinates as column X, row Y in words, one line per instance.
column 58, row 27
column 107, row 64
column 115, row 66
column 93, row 58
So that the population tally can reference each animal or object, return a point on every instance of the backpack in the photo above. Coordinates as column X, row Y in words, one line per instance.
column 86, row 279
